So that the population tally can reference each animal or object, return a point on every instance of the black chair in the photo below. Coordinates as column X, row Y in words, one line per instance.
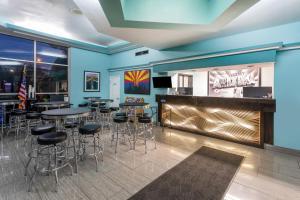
column 35, row 132
column 32, row 120
column 18, row 120
column 72, row 128
column 114, row 109
column 81, row 105
column 88, row 131
column 146, row 130
column 121, row 126
column 51, row 146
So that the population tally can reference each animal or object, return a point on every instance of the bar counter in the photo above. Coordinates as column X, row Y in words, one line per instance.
column 243, row 120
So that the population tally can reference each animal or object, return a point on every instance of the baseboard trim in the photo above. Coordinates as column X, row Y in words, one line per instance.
column 293, row 152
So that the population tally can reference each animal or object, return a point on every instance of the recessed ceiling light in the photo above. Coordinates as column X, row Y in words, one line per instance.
column 76, row 11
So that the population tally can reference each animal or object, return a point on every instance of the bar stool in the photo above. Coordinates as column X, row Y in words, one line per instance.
column 90, row 131
column 114, row 109
column 51, row 142
column 95, row 112
column 35, row 132
column 105, row 118
column 146, row 124
column 72, row 128
column 120, row 126
column 18, row 120
column 32, row 120
column 81, row 105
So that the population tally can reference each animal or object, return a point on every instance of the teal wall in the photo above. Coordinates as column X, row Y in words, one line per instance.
column 287, row 70
column 82, row 60
column 287, row 82
column 288, row 33
column 287, row 91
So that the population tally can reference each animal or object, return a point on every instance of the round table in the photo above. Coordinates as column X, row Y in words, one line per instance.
column 67, row 113
column 3, row 104
column 102, row 101
column 91, row 98
column 52, row 104
column 133, row 104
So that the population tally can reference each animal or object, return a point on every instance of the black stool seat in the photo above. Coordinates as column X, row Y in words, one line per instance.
column 105, row 110
column 120, row 119
column 121, row 114
column 146, row 115
column 71, row 124
column 144, row 120
column 52, row 138
column 114, row 108
column 18, row 112
column 33, row 115
column 39, row 130
column 82, row 105
column 89, row 129
column 94, row 105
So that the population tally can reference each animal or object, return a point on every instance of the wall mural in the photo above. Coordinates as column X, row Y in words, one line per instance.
column 137, row 82
column 230, row 83
column 91, row 81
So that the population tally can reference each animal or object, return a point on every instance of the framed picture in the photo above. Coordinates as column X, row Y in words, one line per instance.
column 91, row 81
column 137, row 82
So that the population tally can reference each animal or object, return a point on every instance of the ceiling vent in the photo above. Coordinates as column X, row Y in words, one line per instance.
column 141, row 53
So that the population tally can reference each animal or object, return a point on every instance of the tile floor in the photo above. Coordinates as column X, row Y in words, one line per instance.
column 264, row 174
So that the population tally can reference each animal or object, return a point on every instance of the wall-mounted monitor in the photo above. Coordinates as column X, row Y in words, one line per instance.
column 162, row 82
column 257, row 92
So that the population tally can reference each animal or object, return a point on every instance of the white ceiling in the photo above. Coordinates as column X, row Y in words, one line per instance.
column 57, row 17
column 265, row 13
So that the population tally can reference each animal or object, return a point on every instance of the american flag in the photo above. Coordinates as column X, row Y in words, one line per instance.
column 22, row 91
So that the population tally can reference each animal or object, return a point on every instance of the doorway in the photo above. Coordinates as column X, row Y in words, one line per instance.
column 115, row 90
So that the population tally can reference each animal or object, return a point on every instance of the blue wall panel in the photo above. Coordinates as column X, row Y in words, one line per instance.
column 82, row 60
column 287, row 71
column 287, row 94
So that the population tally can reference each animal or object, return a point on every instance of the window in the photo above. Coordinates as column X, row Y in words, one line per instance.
column 48, row 73
column 16, row 48
column 185, row 81
column 11, row 75
column 51, row 78
column 48, row 53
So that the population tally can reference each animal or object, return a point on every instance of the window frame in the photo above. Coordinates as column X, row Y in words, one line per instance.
column 35, row 64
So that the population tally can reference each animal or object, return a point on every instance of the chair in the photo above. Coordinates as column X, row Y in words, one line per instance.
column 121, row 126
column 32, row 120
column 91, row 131
column 51, row 146
column 146, row 130
column 35, row 132
column 18, row 120
column 71, row 127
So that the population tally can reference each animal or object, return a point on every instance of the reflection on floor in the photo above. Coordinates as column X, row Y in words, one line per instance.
column 264, row 174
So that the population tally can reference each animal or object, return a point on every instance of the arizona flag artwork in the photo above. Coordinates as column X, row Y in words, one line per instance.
column 137, row 82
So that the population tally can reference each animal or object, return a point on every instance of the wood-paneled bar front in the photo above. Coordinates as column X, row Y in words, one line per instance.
column 243, row 120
